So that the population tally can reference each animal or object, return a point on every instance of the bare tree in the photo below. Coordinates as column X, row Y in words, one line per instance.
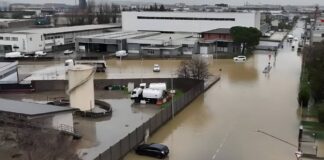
column 90, row 12
column 195, row 69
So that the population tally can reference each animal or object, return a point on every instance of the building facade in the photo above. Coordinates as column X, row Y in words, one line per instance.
column 191, row 22
column 47, row 39
column 218, row 42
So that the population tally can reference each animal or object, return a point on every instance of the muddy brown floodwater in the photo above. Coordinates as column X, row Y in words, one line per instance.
column 223, row 122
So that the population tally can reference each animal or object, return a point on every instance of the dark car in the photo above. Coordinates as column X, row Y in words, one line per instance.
column 153, row 150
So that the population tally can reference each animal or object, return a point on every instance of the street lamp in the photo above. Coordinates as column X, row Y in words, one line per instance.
column 172, row 95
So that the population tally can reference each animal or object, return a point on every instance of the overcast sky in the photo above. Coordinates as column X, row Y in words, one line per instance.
column 231, row 2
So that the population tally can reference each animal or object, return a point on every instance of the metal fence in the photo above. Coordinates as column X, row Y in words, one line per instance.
column 121, row 148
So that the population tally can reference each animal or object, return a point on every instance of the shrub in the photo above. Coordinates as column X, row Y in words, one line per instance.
column 321, row 114
column 304, row 95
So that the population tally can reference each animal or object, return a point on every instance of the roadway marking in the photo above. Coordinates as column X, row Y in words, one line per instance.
column 220, row 146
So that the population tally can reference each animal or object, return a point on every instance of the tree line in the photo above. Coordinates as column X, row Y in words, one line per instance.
column 100, row 14
column 104, row 13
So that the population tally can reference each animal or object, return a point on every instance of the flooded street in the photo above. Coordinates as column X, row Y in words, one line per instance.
column 223, row 122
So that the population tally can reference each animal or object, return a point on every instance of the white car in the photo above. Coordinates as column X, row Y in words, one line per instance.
column 156, row 68
column 239, row 59
column 67, row 52
column 121, row 53
column 40, row 53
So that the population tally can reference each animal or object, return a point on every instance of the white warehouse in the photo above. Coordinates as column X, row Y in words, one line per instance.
column 47, row 39
column 192, row 22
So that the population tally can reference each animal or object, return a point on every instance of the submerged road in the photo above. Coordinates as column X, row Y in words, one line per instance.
column 225, row 121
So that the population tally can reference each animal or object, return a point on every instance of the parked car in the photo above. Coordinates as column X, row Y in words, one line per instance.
column 239, row 59
column 40, row 53
column 290, row 38
column 121, row 53
column 67, row 52
column 153, row 150
column 156, row 68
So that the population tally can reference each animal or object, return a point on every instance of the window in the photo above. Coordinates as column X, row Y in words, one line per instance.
column 14, row 38
column 1, row 38
column 187, row 18
column 7, row 38
column 31, row 39
column 322, row 34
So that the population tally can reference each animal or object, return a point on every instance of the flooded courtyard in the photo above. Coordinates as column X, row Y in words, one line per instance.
column 223, row 123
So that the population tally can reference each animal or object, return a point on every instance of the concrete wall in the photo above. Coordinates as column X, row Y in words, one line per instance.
column 100, row 84
column 131, row 22
column 65, row 118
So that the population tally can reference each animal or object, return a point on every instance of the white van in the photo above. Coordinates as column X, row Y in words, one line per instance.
column 40, row 53
column 121, row 53
column 14, row 55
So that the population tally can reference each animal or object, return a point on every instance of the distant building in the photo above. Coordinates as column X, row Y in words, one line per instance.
column 218, row 41
column 82, row 4
column 4, row 6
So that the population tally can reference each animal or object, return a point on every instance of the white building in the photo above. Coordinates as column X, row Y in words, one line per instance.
column 193, row 22
column 47, row 39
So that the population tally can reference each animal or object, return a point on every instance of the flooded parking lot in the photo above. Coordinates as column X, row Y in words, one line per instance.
column 223, row 122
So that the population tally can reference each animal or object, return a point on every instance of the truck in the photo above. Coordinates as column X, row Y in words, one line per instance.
column 148, row 94
column 100, row 65
column 14, row 55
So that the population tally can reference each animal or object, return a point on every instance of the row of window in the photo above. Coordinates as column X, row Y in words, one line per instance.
column 9, row 38
column 187, row 18
column 53, row 37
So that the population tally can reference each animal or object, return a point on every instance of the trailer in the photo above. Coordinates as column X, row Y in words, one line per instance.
column 100, row 65
column 147, row 94
column 160, row 86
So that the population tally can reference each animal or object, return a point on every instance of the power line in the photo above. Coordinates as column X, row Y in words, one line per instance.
column 282, row 140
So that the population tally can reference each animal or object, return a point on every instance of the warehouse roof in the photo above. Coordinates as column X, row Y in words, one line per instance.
column 219, row 31
column 68, row 29
column 30, row 109
column 120, row 35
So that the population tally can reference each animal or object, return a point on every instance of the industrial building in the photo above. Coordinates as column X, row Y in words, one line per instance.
column 140, row 43
column 47, row 39
column 172, row 33
column 38, row 115
column 218, row 41
column 191, row 22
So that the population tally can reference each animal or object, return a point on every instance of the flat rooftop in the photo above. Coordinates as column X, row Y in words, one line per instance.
column 174, row 39
column 14, row 20
column 120, row 35
column 30, row 109
column 68, row 29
